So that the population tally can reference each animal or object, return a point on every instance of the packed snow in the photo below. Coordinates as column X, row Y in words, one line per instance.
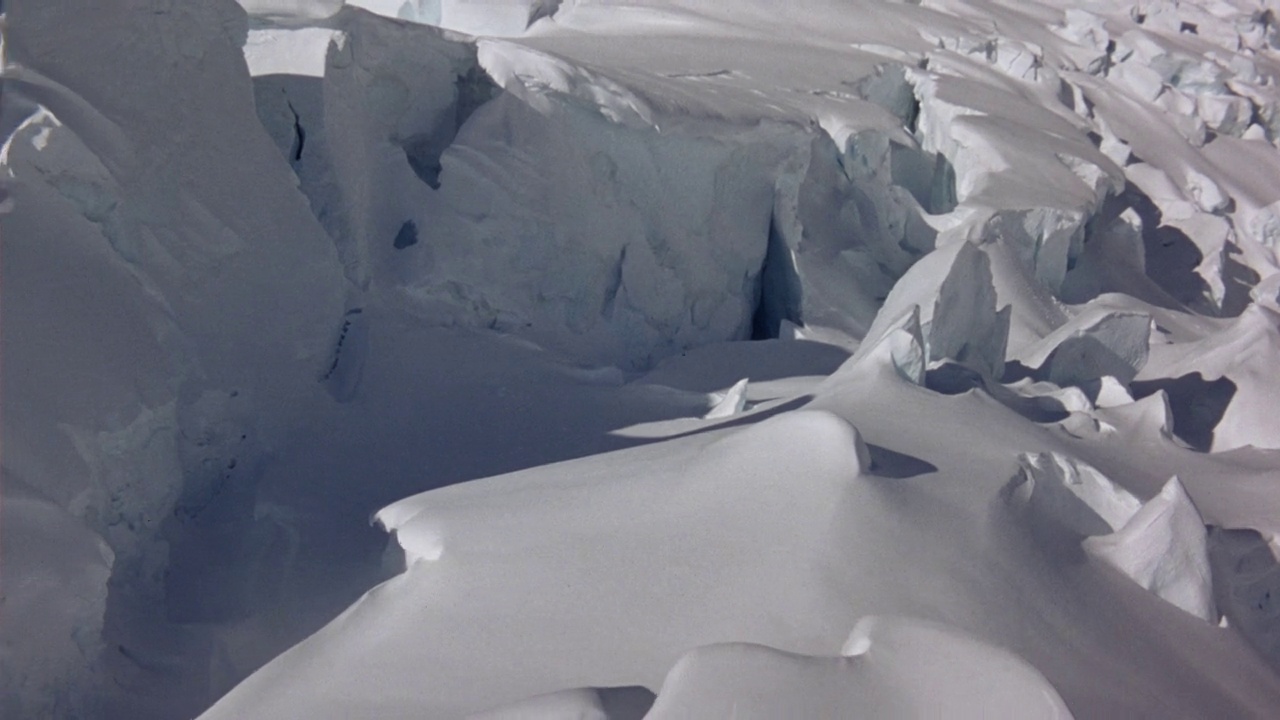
column 639, row 358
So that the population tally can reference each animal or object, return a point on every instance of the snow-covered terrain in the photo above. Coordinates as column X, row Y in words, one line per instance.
column 639, row 358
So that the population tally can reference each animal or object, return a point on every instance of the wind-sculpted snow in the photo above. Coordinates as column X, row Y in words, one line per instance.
column 891, row 668
column 725, row 323
column 767, row 534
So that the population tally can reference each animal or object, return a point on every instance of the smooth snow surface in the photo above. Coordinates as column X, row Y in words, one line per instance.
column 894, row 668
column 639, row 358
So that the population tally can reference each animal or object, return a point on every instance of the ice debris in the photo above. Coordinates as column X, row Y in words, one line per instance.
column 730, row 402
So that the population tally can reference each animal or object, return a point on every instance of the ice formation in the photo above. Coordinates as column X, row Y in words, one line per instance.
column 730, row 402
column 1160, row 544
column 1163, row 548
column 666, row 343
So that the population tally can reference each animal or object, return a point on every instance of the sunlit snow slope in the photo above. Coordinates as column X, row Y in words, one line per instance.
column 640, row 358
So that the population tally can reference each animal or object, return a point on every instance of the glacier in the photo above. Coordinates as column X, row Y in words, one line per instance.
column 639, row 358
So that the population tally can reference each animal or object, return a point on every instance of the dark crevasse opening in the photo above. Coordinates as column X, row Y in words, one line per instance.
column 299, row 136
column 407, row 236
column 778, row 295
column 423, row 151
column 929, row 177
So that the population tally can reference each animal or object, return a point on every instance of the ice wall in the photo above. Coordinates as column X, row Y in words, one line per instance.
column 505, row 187
column 169, row 300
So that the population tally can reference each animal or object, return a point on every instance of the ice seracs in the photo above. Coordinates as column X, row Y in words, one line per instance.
column 1162, row 547
column 1072, row 495
column 955, row 307
column 1091, row 346
column 154, row 243
column 1160, row 544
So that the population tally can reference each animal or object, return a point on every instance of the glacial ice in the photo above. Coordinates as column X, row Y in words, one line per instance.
column 1162, row 547
column 1092, row 346
column 729, row 403
column 272, row 266
column 956, row 310
column 54, row 611
column 140, row 272
column 1160, row 544
column 1072, row 495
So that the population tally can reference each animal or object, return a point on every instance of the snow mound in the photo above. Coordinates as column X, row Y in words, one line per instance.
column 767, row 511
column 894, row 668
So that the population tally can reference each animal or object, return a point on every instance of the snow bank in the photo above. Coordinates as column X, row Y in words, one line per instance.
column 767, row 535
column 624, row 703
column 748, row 480
column 578, row 704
